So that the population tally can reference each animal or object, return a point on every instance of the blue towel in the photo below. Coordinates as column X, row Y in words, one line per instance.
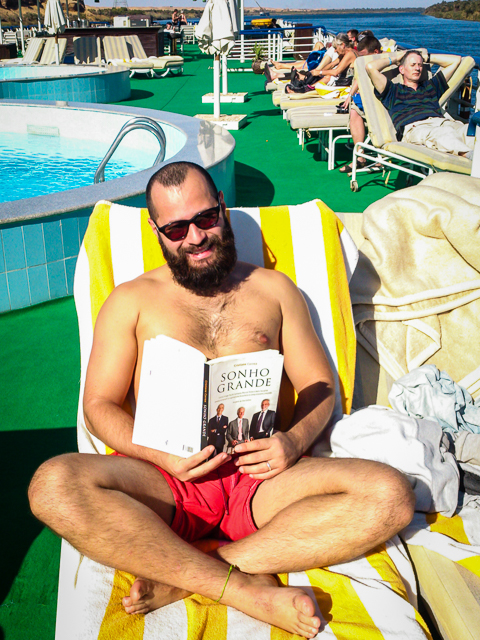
column 429, row 393
column 314, row 59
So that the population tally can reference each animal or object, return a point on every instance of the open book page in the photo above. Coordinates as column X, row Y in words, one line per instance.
column 170, row 397
column 242, row 384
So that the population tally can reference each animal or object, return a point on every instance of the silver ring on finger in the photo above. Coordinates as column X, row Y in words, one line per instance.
column 268, row 465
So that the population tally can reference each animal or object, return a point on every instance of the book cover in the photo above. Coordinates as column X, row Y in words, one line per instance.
column 185, row 402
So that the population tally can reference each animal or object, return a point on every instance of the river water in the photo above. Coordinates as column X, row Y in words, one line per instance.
column 453, row 36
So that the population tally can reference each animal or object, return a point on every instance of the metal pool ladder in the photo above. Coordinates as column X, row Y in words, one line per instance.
column 141, row 122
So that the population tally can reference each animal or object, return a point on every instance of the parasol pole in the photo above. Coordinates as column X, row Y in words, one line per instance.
column 224, row 75
column 78, row 12
column 66, row 8
column 1, row 34
column 38, row 16
column 57, row 54
column 21, row 26
column 216, row 87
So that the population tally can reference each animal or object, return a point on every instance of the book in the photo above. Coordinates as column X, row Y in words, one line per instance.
column 180, row 392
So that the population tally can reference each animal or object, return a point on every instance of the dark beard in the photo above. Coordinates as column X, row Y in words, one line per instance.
column 207, row 279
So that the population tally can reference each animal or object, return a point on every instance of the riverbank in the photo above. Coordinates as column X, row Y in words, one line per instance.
column 459, row 10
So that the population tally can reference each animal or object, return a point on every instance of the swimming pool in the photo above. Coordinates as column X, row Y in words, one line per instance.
column 65, row 82
column 40, row 236
column 41, row 162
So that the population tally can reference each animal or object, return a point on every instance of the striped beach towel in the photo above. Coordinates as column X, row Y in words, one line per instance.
column 371, row 597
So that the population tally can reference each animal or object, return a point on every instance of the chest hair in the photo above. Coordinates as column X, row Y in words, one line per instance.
column 212, row 324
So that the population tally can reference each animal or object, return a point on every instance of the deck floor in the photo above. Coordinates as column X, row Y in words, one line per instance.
column 39, row 367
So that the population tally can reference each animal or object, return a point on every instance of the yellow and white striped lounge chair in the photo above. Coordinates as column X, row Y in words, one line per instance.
column 161, row 65
column 360, row 600
column 87, row 50
column 385, row 148
column 117, row 54
column 32, row 54
column 48, row 54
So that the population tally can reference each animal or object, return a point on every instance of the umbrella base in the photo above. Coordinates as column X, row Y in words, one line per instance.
column 225, row 97
column 232, row 123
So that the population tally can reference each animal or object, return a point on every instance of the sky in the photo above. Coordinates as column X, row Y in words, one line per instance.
column 291, row 4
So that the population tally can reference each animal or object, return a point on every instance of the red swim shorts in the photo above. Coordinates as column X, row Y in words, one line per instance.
column 217, row 505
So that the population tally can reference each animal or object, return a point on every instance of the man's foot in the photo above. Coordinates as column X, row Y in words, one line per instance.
column 146, row 596
column 348, row 168
column 288, row 608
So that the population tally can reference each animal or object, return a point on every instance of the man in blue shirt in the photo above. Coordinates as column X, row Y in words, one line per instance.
column 414, row 105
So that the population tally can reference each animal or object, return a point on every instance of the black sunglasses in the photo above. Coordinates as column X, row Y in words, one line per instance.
column 179, row 230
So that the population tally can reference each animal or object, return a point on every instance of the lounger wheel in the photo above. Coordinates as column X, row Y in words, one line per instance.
column 409, row 180
column 354, row 186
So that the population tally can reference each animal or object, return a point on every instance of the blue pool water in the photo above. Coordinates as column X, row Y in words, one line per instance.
column 34, row 165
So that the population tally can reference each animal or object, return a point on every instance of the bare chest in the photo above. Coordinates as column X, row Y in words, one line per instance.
column 230, row 325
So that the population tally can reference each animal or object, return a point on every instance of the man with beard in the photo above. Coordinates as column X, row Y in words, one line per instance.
column 142, row 510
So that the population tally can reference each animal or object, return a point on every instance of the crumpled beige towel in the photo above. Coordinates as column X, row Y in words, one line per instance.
column 416, row 290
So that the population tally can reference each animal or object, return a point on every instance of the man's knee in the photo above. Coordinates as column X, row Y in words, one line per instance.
column 53, row 481
column 396, row 500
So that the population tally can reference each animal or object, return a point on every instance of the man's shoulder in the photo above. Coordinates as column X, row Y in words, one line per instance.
column 262, row 276
column 141, row 285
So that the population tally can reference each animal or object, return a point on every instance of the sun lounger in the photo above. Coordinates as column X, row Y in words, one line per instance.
column 311, row 99
column 161, row 65
column 117, row 54
column 324, row 120
column 49, row 55
column 384, row 148
column 32, row 54
column 87, row 50
column 361, row 599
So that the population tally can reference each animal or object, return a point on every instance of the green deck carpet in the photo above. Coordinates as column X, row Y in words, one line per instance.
column 271, row 167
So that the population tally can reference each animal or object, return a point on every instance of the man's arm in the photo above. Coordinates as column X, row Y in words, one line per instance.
column 344, row 63
column 109, row 376
column 448, row 63
column 230, row 439
column 307, row 367
column 375, row 67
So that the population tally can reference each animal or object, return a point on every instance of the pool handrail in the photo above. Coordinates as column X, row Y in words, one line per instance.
column 141, row 122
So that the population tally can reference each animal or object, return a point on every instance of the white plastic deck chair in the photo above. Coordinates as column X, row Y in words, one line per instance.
column 118, row 246
column 32, row 54
column 413, row 159
column 162, row 65
column 87, row 50
column 117, row 54
column 287, row 101
column 48, row 55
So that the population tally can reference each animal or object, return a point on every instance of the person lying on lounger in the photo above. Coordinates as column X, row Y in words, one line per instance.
column 338, row 74
column 368, row 45
column 413, row 106
column 319, row 52
column 141, row 510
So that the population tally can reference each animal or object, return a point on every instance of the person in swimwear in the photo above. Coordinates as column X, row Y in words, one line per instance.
column 142, row 511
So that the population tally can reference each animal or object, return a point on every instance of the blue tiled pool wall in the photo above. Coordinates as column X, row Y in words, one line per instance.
column 102, row 88
column 37, row 261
